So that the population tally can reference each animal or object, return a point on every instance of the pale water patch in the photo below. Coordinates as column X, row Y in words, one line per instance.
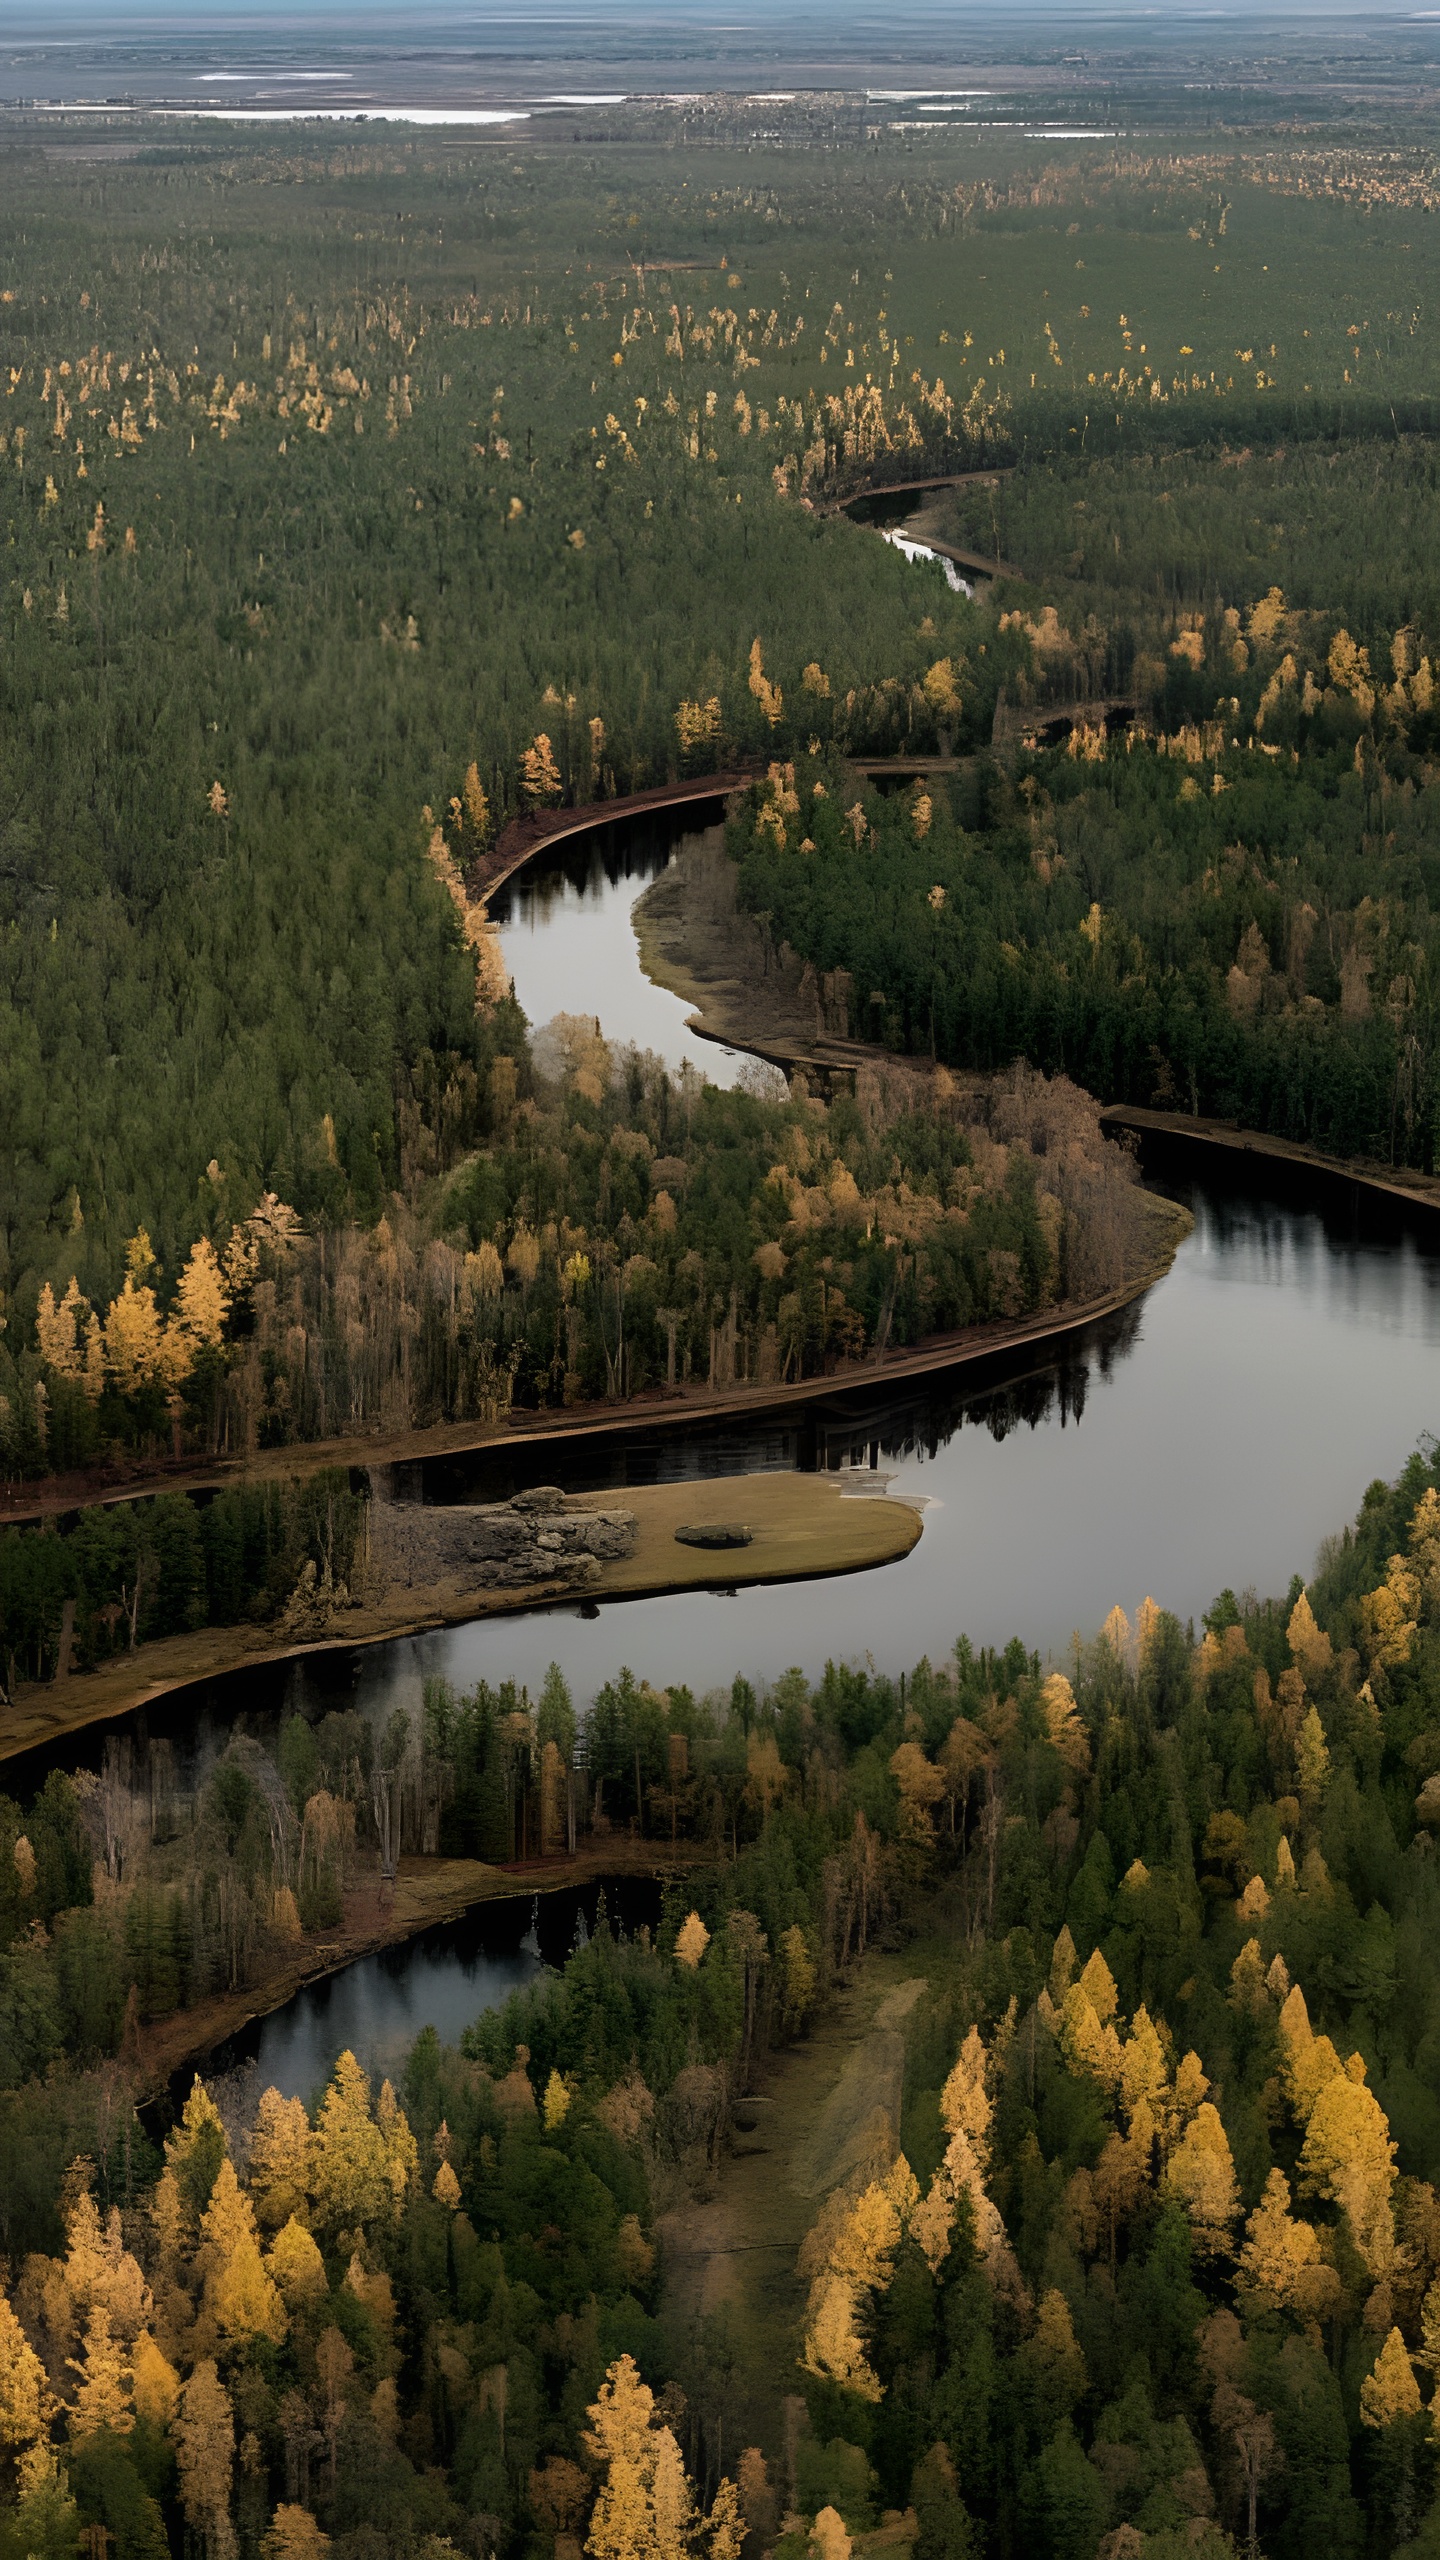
column 568, row 939
column 303, row 112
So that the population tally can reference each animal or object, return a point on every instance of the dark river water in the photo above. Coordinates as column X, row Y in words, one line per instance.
column 443, row 1978
column 1212, row 1435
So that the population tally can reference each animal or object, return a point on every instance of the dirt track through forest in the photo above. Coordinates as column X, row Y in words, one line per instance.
column 828, row 2108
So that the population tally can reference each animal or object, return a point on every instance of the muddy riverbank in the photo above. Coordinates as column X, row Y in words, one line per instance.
column 1407, row 1187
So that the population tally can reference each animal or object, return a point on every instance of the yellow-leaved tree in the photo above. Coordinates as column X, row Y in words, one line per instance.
column 477, row 807
column 768, row 695
column 155, row 2383
column 1390, row 2390
column 857, row 2265
column 99, row 2269
column 1063, row 1724
column 241, row 2297
column 1098, row 1984
column 921, row 1789
column 203, row 2435
column 402, row 2151
column 104, row 2398
column 1349, row 2157
column 1089, row 2039
column 1312, row 1761
column 645, row 2507
column 361, row 2164
column 1310, row 2061
column 25, row 2401
column 1200, row 2176
column 279, row 2160
column 58, row 1330
column 1390, row 1613
column 294, row 2535
column 965, row 2100
column 941, row 689
column 539, row 773
column 1144, row 2074
column 297, row 2268
column 134, row 1334
column 202, row 1299
column 1312, row 1649
column 1281, row 2262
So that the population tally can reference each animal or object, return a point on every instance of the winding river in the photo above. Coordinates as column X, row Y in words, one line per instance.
column 1213, row 1434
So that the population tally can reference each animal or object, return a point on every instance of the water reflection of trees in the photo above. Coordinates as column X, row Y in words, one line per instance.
column 922, row 1423
column 585, row 866
column 856, row 1428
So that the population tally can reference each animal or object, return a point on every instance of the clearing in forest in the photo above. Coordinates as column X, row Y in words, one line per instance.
column 830, row 2107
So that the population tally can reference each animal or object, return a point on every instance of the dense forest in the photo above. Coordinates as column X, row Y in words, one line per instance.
column 1232, row 914
column 362, row 495
column 1154, row 2266
column 625, row 1230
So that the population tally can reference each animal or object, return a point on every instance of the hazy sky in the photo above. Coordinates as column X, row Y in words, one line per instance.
column 405, row 54
column 118, row 20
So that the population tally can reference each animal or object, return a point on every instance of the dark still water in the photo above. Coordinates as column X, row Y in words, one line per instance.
column 1212, row 1435
column 444, row 1978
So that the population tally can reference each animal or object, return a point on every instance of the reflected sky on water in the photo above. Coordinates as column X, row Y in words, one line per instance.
column 570, row 947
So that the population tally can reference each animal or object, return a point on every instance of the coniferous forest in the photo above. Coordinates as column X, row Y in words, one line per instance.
column 1155, row 2263
column 318, row 526
column 366, row 493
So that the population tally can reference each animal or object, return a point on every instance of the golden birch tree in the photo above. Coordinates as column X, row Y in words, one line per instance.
column 279, row 2171
column 1200, row 2175
column 104, row 2398
column 1348, row 2156
column 539, row 773
column 25, row 2402
column 241, row 2297
column 297, row 2268
column 294, row 2535
column 1390, row 2390
column 350, row 2164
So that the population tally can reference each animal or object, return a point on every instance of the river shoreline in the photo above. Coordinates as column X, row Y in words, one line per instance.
column 427, row 1892
column 803, row 1528
column 660, row 1409
column 1406, row 1187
